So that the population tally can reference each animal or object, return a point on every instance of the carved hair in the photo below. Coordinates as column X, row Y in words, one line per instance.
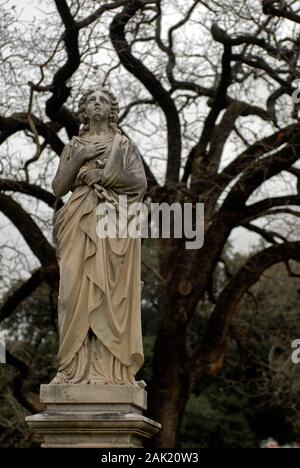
column 113, row 118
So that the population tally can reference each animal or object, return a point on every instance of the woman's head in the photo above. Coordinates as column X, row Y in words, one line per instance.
column 98, row 103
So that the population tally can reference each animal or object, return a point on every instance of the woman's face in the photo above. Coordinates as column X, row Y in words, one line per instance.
column 98, row 106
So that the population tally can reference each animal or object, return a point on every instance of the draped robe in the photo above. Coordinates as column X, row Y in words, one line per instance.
column 99, row 304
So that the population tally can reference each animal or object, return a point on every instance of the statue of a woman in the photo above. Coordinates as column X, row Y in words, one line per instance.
column 99, row 294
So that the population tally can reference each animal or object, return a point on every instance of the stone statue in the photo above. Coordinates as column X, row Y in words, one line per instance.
column 99, row 302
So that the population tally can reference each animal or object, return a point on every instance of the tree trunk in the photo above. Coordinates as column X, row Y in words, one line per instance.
column 166, row 406
column 169, row 388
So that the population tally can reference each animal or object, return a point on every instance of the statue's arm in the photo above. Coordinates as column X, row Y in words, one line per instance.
column 74, row 155
column 67, row 171
column 134, row 174
column 125, row 172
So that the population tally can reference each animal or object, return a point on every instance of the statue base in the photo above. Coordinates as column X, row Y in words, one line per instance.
column 93, row 416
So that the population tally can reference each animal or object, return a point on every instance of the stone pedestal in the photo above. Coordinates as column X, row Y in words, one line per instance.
column 93, row 416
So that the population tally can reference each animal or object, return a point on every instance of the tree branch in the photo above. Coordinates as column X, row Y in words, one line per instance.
column 254, row 177
column 281, row 12
column 147, row 78
column 17, row 388
column 219, row 103
column 19, row 121
column 20, row 293
column 32, row 190
column 29, row 230
column 60, row 91
column 269, row 236
column 99, row 12
column 209, row 355
column 264, row 207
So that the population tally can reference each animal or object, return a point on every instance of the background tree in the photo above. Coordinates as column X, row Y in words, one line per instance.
column 206, row 92
column 255, row 396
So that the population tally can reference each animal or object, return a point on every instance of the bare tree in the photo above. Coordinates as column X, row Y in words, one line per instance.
column 207, row 92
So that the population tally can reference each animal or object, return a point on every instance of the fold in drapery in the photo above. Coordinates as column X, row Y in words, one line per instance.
column 100, row 284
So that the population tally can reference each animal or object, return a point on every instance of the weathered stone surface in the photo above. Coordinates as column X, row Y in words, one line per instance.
column 93, row 416
column 99, row 394
column 92, row 429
